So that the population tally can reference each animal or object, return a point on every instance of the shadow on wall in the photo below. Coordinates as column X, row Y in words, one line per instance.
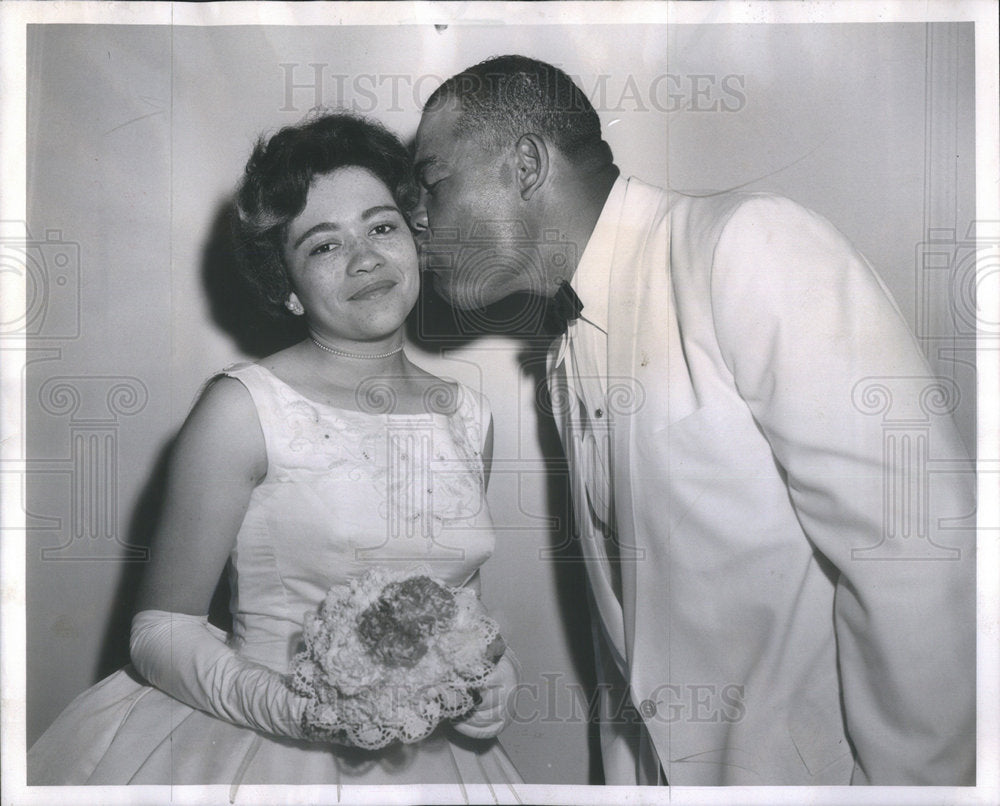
column 114, row 647
column 565, row 558
column 234, row 307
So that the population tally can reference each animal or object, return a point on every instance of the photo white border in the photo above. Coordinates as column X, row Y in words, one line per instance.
column 15, row 15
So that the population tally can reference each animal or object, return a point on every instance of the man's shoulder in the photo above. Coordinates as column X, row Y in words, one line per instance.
column 718, row 209
column 709, row 210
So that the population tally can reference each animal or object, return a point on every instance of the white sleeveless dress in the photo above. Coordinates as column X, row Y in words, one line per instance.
column 344, row 490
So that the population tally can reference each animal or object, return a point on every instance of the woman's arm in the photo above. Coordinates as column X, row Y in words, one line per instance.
column 219, row 458
column 217, row 461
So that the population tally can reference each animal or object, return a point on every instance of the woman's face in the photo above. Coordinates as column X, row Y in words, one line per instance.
column 352, row 259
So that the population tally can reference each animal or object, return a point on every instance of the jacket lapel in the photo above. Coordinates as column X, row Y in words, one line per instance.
column 625, row 308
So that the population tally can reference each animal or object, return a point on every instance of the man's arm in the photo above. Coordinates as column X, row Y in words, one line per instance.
column 810, row 335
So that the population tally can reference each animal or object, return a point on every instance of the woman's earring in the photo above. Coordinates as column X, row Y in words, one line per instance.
column 294, row 306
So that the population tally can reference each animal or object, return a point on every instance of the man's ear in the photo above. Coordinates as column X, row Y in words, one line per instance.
column 532, row 164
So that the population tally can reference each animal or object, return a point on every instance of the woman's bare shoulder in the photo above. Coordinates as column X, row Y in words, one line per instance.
column 223, row 429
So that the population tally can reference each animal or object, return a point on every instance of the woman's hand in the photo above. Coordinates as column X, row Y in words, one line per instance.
column 494, row 711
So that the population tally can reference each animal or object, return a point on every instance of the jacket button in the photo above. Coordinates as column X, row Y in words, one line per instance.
column 647, row 708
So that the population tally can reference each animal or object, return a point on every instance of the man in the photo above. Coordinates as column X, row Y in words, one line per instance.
column 719, row 400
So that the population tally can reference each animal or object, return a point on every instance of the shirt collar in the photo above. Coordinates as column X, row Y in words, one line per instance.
column 591, row 280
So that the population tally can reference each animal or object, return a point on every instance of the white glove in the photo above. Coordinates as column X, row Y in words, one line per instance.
column 185, row 656
column 493, row 712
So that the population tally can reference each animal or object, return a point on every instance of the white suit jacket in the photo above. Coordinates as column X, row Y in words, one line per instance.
column 793, row 504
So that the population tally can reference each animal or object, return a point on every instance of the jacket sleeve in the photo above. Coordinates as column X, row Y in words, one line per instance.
column 876, row 472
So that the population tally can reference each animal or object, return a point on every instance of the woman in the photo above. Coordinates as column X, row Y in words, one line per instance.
column 303, row 471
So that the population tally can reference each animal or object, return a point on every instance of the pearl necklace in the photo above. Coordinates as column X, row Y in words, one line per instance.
column 346, row 354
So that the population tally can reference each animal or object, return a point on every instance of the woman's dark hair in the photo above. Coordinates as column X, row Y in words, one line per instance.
column 276, row 183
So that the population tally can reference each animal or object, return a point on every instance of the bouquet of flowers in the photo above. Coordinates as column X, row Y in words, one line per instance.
column 390, row 656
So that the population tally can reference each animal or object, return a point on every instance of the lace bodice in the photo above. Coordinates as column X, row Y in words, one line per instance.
column 345, row 490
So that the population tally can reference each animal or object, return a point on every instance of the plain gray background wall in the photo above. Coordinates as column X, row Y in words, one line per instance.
column 137, row 135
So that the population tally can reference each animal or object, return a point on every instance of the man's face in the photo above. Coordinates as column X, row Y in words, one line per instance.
column 471, row 237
